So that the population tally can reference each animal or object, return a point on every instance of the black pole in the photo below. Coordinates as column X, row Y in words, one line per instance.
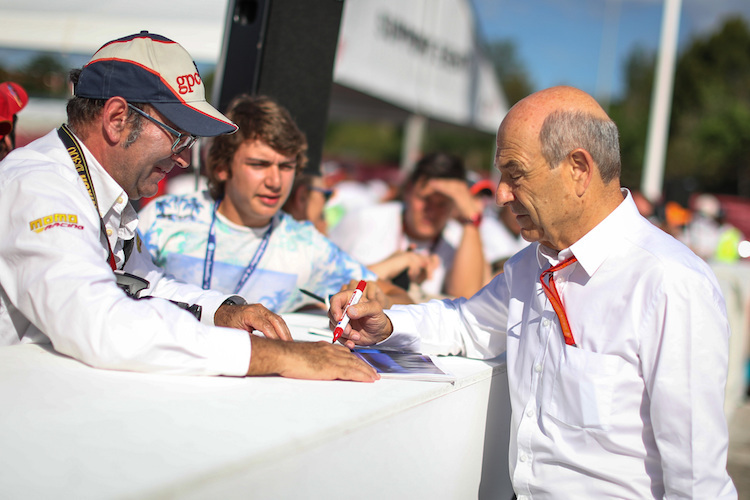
column 284, row 49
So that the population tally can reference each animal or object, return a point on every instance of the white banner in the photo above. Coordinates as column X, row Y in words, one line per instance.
column 421, row 55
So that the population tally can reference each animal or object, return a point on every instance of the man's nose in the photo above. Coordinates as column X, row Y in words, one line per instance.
column 273, row 176
column 183, row 158
column 504, row 194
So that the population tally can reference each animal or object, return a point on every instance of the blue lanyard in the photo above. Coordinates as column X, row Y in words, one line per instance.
column 208, row 263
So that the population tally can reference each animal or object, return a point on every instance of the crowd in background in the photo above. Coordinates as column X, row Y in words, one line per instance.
column 699, row 221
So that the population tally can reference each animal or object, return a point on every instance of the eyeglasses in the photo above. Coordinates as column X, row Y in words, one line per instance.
column 182, row 141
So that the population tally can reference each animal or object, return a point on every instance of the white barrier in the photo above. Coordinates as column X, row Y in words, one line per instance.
column 734, row 280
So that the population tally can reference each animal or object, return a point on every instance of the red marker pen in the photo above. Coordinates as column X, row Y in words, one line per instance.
column 339, row 330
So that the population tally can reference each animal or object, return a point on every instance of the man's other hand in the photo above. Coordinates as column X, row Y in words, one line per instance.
column 252, row 317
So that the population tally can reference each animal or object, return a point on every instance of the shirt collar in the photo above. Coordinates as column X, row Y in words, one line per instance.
column 595, row 246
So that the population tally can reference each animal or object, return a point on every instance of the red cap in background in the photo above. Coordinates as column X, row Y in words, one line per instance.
column 13, row 98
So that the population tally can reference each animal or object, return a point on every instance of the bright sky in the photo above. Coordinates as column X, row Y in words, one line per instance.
column 562, row 41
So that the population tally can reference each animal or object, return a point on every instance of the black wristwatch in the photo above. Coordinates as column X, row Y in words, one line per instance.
column 234, row 300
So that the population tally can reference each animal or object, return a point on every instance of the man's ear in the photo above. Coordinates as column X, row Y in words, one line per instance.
column 114, row 120
column 582, row 169
column 222, row 172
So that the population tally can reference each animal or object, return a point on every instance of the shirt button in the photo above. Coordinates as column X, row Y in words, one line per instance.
column 545, row 323
column 119, row 199
column 109, row 232
column 529, row 413
column 538, row 368
column 522, row 458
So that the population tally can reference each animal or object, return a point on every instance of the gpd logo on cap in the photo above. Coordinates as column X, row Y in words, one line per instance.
column 186, row 83
column 150, row 68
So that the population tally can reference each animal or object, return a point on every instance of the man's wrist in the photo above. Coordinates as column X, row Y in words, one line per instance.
column 223, row 315
column 234, row 300
column 475, row 220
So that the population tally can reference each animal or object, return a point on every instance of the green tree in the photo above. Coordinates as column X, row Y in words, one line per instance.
column 44, row 75
column 475, row 148
column 711, row 118
column 373, row 143
column 709, row 135
column 510, row 70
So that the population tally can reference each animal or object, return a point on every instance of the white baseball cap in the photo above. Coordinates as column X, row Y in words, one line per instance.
column 149, row 68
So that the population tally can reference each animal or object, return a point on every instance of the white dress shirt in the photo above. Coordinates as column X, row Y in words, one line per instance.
column 56, row 283
column 636, row 410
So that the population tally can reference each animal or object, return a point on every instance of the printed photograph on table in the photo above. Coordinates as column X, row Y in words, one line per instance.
column 399, row 364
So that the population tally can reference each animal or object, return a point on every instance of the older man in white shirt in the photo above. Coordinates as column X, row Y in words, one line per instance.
column 616, row 333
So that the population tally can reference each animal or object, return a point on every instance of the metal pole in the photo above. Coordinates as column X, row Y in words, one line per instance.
column 661, row 103
column 411, row 147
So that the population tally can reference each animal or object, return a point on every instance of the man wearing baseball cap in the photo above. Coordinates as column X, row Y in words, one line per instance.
column 73, row 268
column 13, row 98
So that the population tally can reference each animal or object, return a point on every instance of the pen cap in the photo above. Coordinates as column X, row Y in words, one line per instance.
column 361, row 285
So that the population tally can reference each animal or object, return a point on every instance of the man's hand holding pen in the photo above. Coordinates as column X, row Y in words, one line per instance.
column 368, row 324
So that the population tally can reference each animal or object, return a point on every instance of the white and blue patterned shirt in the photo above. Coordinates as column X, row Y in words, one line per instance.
column 175, row 231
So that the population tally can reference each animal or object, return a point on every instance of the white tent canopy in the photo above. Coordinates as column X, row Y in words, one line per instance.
column 82, row 26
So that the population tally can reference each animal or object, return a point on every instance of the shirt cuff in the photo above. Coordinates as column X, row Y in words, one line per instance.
column 229, row 352
column 404, row 336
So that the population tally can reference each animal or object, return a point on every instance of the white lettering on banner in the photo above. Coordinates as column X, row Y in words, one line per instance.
column 398, row 31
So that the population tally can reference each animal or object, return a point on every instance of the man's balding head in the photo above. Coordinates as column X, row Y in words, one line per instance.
column 559, row 158
column 565, row 118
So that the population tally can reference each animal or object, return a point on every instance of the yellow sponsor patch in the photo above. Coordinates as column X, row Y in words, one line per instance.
column 55, row 220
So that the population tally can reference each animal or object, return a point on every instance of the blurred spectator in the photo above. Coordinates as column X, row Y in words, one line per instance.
column 307, row 200
column 13, row 98
column 676, row 218
column 708, row 233
column 499, row 230
column 644, row 206
column 501, row 236
column 349, row 194
column 452, row 262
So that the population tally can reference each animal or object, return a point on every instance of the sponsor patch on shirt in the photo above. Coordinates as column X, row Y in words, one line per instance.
column 55, row 220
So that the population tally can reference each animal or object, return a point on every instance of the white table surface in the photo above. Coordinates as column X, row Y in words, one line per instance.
column 71, row 431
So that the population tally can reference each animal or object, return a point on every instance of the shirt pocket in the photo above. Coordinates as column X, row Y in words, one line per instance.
column 583, row 388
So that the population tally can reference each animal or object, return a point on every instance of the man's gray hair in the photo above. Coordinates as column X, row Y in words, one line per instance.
column 564, row 131
column 83, row 111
